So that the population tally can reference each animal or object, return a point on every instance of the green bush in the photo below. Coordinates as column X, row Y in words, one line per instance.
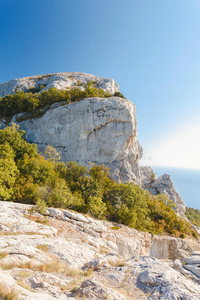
column 32, row 101
column 29, row 177
column 193, row 215
column 118, row 94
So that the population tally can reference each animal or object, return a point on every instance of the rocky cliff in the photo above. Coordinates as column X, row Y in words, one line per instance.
column 57, row 80
column 99, row 130
column 162, row 185
column 67, row 255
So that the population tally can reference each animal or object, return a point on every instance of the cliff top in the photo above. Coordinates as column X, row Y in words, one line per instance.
column 64, row 81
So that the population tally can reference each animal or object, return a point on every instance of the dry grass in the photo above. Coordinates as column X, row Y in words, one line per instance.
column 3, row 254
column 64, row 288
column 24, row 285
column 61, row 230
column 23, row 274
column 7, row 294
column 103, row 250
column 55, row 266
column 88, row 273
column 119, row 263
column 74, row 285
column 43, row 247
column 38, row 219
column 5, row 233
column 115, row 227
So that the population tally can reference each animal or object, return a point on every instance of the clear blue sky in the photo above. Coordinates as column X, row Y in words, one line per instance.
column 150, row 47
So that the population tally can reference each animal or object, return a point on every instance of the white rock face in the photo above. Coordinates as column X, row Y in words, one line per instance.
column 99, row 130
column 92, row 289
column 80, row 244
column 148, row 175
column 163, row 282
column 167, row 247
column 57, row 80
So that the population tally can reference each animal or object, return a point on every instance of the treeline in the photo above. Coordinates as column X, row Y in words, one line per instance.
column 29, row 177
column 193, row 215
column 22, row 102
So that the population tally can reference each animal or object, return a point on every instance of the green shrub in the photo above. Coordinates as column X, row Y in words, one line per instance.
column 33, row 102
column 193, row 215
column 118, row 94
column 29, row 177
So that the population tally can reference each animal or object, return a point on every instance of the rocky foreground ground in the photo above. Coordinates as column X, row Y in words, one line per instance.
column 66, row 255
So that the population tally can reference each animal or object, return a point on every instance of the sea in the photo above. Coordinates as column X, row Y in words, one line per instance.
column 186, row 182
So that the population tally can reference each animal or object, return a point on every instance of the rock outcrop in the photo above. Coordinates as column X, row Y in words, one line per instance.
column 162, row 185
column 98, row 130
column 67, row 255
column 58, row 80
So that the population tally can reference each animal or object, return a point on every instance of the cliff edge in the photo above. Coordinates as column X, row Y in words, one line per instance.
column 97, row 130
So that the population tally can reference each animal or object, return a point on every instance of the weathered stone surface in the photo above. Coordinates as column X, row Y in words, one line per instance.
column 162, row 281
column 91, row 289
column 100, row 248
column 166, row 247
column 55, row 213
column 194, row 259
column 193, row 268
column 102, row 261
column 59, row 81
column 75, row 216
column 92, row 130
column 196, row 253
column 163, row 185
column 147, row 175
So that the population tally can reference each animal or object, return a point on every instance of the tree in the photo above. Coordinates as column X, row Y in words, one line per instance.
column 8, row 171
column 128, row 204
column 96, row 207
column 16, row 139
column 52, row 154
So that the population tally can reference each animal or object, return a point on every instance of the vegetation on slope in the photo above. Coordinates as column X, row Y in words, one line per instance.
column 35, row 102
column 193, row 215
column 29, row 177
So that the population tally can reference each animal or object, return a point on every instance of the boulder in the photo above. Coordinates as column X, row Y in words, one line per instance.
column 91, row 289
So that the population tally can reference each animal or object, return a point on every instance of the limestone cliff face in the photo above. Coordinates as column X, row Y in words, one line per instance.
column 93, row 130
column 98, row 130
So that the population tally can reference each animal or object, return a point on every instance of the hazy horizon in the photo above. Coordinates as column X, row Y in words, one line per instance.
column 186, row 182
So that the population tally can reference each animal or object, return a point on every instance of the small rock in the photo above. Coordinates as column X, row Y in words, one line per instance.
column 55, row 213
column 74, row 216
column 91, row 289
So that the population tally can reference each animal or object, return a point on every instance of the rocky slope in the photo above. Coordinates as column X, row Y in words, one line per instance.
column 67, row 255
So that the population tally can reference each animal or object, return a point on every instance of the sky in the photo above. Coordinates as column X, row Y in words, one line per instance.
column 151, row 48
